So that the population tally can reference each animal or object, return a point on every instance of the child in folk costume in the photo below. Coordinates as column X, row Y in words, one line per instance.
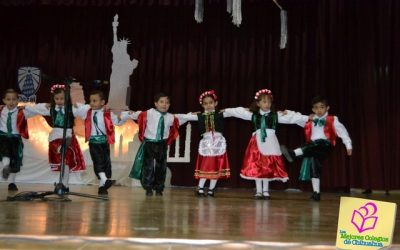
column 212, row 160
column 320, row 134
column 99, row 131
column 74, row 160
column 157, row 130
column 263, row 161
column 13, row 126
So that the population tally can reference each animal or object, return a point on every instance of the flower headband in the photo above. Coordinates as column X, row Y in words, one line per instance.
column 261, row 92
column 208, row 93
column 56, row 86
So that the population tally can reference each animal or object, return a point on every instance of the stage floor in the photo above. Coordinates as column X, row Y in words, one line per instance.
column 177, row 220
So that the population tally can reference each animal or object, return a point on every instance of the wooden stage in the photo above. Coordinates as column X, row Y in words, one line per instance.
column 177, row 220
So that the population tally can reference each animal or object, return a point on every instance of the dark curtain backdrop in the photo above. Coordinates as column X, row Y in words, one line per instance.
column 348, row 50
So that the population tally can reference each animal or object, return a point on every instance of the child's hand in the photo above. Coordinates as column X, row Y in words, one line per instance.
column 47, row 105
column 195, row 113
column 285, row 112
column 311, row 117
column 349, row 152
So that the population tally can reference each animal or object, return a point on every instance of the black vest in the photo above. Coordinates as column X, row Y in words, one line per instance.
column 271, row 120
column 215, row 118
column 53, row 115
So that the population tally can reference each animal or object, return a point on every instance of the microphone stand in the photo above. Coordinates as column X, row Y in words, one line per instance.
column 59, row 188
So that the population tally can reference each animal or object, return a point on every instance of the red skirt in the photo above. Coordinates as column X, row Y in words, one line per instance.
column 258, row 166
column 212, row 167
column 73, row 155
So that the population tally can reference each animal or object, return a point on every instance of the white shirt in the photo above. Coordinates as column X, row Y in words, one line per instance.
column 4, row 116
column 41, row 109
column 153, row 116
column 183, row 118
column 125, row 115
column 82, row 113
column 317, row 132
column 271, row 144
column 290, row 118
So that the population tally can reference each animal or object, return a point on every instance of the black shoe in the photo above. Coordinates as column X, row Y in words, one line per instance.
column 108, row 184
column 316, row 196
column 210, row 192
column 6, row 172
column 12, row 187
column 67, row 190
column 266, row 196
column 159, row 193
column 149, row 192
column 258, row 196
column 200, row 192
column 288, row 154
column 102, row 191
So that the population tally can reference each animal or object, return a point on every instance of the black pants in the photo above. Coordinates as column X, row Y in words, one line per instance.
column 100, row 153
column 11, row 147
column 154, row 166
column 316, row 151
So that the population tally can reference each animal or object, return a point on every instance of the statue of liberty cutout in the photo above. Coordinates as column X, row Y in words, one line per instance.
column 122, row 67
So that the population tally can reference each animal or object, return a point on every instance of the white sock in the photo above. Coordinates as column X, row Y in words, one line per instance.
column 103, row 179
column 66, row 176
column 298, row 151
column 5, row 161
column 213, row 183
column 315, row 184
column 265, row 187
column 258, row 186
column 11, row 178
column 202, row 181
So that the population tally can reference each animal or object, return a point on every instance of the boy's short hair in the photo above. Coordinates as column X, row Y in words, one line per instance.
column 160, row 95
column 10, row 91
column 99, row 93
column 319, row 99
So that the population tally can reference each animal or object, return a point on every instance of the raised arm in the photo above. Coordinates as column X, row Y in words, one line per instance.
column 37, row 109
column 238, row 112
column 183, row 118
column 81, row 110
column 116, row 121
column 291, row 117
column 127, row 115
column 132, row 115
column 76, row 109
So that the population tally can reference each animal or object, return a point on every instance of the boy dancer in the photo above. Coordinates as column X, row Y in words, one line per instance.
column 99, row 131
column 320, row 134
column 13, row 126
column 157, row 130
